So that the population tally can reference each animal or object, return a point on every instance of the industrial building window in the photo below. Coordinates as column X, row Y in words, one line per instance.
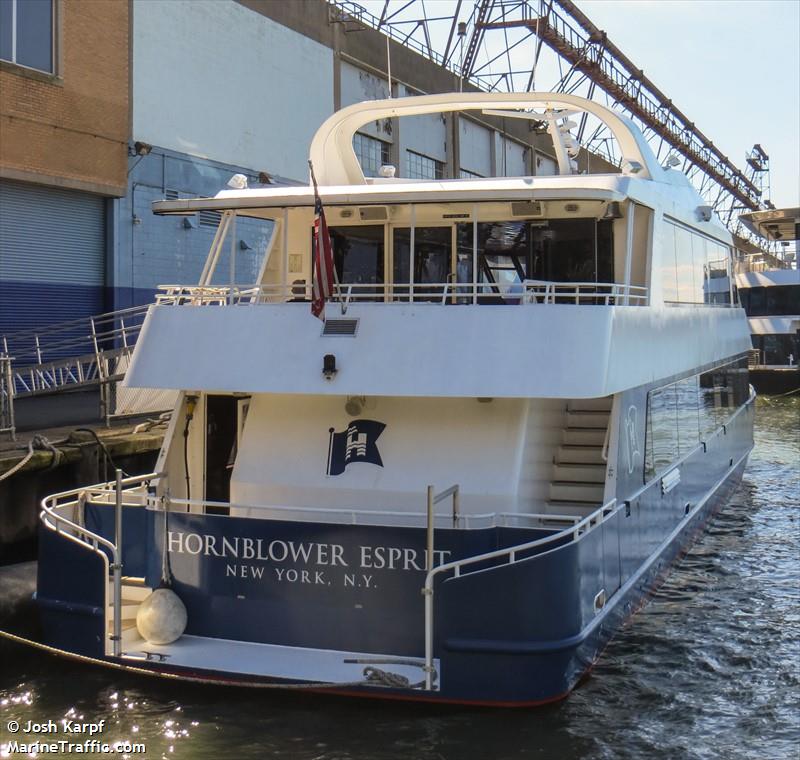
column 26, row 33
column 467, row 174
column 422, row 167
column 371, row 153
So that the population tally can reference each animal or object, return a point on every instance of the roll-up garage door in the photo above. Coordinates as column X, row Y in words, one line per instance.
column 52, row 255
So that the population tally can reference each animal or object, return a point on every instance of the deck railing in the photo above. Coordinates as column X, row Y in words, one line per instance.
column 510, row 554
column 526, row 292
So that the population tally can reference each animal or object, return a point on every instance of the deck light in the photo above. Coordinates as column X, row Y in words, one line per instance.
column 238, row 182
column 329, row 366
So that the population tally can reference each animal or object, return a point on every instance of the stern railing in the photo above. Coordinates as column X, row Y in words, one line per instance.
column 113, row 492
column 443, row 293
column 510, row 554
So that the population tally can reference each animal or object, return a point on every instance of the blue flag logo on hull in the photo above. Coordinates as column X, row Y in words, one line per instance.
column 356, row 444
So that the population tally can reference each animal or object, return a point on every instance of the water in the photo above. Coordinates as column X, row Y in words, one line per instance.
column 709, row 669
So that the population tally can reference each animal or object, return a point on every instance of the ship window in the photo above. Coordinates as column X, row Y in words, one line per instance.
column 681, row 414
column 432, row 249
column 358, row 255
column 775, row 300
column 693, row 267
column 560, row 250
column 662, row 447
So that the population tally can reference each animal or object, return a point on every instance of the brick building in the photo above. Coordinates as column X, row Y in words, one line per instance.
column 64, row 127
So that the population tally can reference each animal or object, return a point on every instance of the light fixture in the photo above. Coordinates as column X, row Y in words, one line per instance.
column 387, row 171
column 613, row 211
column 188, row 223
column 355, row 405
column 631, row 167
column 245, row 246
column 238, row 182
column 329, row 366
column 704, row 213
column 142, row 148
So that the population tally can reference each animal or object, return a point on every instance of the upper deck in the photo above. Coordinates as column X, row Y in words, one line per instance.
column 524, row 286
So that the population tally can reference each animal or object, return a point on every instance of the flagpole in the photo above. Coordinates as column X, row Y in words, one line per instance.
column 330, row 449
column 316, row 195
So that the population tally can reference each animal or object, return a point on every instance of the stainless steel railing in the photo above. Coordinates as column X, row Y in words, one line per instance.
column 510, row 554
column 114, row 493
column 526, row 292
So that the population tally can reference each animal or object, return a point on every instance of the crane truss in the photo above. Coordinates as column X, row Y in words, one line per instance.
column 496, row 45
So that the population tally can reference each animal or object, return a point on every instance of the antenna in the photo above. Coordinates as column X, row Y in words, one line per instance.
column 389, row 64
column 462, row 33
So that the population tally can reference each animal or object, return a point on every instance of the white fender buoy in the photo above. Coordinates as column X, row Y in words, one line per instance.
column 161, row 618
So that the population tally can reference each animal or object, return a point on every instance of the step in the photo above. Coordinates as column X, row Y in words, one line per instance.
column 561, row 490
column 580, row 473
column 587, row 404
column 584, row 436
column 130, row 633
column 131, row 592
column 567, row 454
column 129, row 610
column 588, row 419
column 576, row 509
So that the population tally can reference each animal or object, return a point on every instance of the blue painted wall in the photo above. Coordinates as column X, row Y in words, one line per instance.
column 147, row 250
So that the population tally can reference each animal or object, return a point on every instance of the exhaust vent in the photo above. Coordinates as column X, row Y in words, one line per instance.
column 340, row 328
column 373, row 213
column 526, row 208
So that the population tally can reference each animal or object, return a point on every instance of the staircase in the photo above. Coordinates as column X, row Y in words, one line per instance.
column 134, row 592
column 579, row 472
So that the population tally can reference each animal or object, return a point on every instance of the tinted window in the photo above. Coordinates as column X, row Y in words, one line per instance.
column 5, row 30
column 432, row 248
column 662, row 447
column 358, row 254
column 35, row 34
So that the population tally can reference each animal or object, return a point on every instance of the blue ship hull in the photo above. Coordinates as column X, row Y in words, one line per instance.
column 520, row 633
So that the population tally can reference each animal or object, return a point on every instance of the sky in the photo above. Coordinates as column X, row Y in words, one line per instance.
column 732, row 66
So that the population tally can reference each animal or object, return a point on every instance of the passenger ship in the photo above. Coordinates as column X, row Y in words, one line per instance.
column 519, row 410
column 769, row 291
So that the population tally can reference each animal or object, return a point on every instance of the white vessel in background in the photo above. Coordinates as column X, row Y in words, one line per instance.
column 769, row 291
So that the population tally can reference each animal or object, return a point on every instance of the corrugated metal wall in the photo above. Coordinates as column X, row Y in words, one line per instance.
column 52, row 255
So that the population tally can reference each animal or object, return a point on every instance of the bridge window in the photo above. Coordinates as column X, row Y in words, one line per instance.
column 358, row 254
column 432, row 258
column 557, row 250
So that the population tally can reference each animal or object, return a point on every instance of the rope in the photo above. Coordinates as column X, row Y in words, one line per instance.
column 37, row 442
column 106, row 452
column 373, row 682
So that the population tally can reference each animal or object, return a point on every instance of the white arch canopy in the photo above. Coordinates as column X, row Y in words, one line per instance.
column 335, row 162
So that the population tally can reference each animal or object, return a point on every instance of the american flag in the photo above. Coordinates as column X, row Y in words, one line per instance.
column 323, row 278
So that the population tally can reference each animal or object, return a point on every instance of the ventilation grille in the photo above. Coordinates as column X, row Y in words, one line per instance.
column 171, row 195
column 373, row 213
column 209, row 218
column 340, row 328
column 526, row 208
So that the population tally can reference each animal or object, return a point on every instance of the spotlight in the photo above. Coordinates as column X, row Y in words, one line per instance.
column 329, row 366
